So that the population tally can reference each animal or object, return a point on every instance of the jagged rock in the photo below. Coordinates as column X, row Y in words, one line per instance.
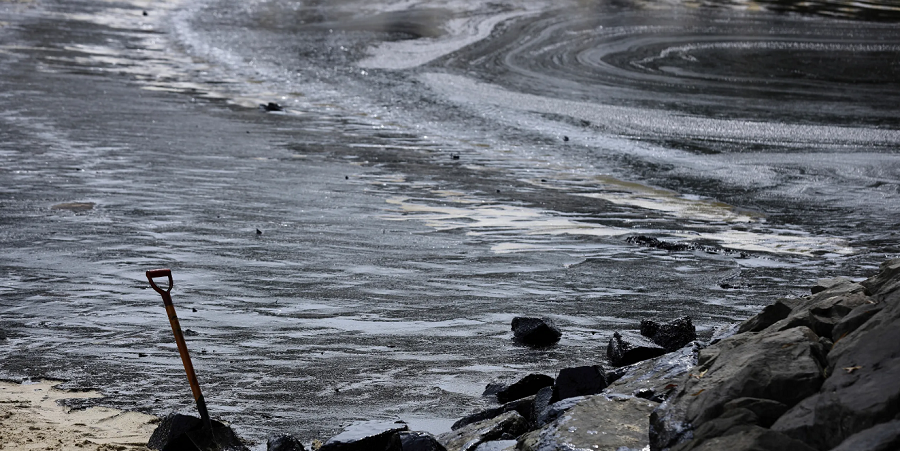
column 579, row 381
column 175, row 430
column 626, row 348
column 415, row 441
column 857, row 317
column 535, row 331
column 886, row 282
column 553, row 411
column 524, row 407
column 503, row 427
column 785, row 366
column 827, row 284
column 365, row 436
column 863, row 385
column 542, row 401
column 661, row 375
column 770, row 314
column 671, row 336
column 822, row 311
column 284, row 443
column 884, row 437
column 494, row 387
column 594, row 423
column 526, row 386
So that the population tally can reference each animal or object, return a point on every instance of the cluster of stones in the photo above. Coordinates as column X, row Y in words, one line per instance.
column 816, row 373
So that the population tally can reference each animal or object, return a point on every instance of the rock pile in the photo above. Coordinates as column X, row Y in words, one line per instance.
column 820, row 372
column 816, row 373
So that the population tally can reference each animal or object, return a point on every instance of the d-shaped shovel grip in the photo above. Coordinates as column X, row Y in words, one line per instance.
column 156, row 273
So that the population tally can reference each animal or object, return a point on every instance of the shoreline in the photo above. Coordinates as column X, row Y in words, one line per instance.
column 759, row 379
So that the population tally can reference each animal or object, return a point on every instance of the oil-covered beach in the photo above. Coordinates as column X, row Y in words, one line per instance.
column 356, row 198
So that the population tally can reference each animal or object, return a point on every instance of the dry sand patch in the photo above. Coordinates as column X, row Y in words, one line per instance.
column 31, row 418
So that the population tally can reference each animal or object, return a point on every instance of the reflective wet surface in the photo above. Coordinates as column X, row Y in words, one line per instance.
column 438, row 169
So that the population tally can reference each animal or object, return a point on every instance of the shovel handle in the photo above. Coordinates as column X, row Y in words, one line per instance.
column 179, row 339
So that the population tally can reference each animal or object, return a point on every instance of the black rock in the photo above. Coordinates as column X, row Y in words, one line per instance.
column 542, row 401
column 783, row 366
column 284, row 443
column 535, row 331
column 526, row 386
column 579, row 381
column 366, row 436
column 671, row 336
column 770, row 314
column 415, row 441
column 524, row 406
column 642, row 240
column 493, row 388
column 626, row 348
column 645, row 393
column 857, row 317
column 884, row 437
column 271, row 106
column 175, row 430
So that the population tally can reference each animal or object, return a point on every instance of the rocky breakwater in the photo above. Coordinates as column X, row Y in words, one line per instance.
column 821, row 372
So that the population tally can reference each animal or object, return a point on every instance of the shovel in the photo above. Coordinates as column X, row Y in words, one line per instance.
column 204, row 437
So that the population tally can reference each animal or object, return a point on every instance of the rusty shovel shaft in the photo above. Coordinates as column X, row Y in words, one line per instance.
column 179, row 340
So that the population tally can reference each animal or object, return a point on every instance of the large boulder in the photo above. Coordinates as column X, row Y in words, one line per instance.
column 670, row 336
column 863, row 385
column 785, row 366
column 538, row 332
column 595, row 423
column 366, row 436
column 524, row 387
column 820, row 312
column 503, row 427
column 884, row 437
column 625, row 348
column 579, row 381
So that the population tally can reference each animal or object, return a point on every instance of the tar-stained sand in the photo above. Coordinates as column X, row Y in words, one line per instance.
column 32, row 417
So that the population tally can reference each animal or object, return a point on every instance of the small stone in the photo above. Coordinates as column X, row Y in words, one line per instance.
column 626, row 348
column 535, row 331
column 284, row 443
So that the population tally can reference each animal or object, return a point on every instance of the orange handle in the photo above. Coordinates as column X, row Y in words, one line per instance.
column 179, row 338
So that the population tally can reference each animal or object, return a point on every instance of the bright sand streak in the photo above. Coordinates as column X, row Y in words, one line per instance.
column 32, row 418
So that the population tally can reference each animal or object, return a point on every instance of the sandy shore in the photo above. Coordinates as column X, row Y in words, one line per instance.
column 32, row 417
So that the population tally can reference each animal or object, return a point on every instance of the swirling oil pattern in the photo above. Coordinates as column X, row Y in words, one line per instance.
column 704, row 63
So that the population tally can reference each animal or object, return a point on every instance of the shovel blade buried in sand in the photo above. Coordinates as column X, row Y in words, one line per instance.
column 205, row 434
